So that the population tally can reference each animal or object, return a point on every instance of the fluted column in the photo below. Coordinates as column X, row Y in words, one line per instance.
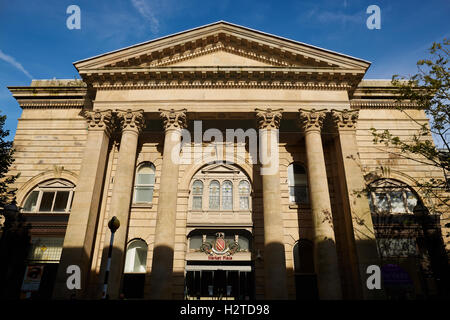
column 132, row 123
column 274, row 253
column 163, row 250
column 80, row 233
column 357, row 214
column 325, row 255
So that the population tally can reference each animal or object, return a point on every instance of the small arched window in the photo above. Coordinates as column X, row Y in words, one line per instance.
column 298, row 184
column 227, row 195
column 144, row 183
column 53, row 196
column 244, row 195
column 197, row 195
column 214, row 195
column 388, row 196
column 136, row 258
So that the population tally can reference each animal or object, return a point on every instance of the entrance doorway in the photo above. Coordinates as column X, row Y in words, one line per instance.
column 219, row 282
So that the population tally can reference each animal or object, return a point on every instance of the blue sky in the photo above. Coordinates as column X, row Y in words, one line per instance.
column 35, row 42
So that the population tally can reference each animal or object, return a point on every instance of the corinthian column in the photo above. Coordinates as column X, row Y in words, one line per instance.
column 163, row 250
column 325, row 256
column 80, row 233
column 358, row 219
column 274, row 254
column 131, row 123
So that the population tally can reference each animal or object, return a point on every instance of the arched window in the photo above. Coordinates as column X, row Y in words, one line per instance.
column 135, row 268
column 388, row 196
column 136, row 258
column 53, row 196
column 298, row 184
column 214, row 195
column 144, row 183
column 244, row 195
column 197, row 195
column 227, row 195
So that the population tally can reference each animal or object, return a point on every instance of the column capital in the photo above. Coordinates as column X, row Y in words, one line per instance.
column 132, row 120
column 98, row 120
column 268, row 118
column 174, row 119
column 345, row 119
column 311, row 120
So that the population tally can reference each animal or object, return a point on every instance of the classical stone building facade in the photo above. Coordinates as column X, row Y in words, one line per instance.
column 222, row 223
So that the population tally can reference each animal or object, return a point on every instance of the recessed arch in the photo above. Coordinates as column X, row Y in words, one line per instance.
column 192, row 170
column 26, row 188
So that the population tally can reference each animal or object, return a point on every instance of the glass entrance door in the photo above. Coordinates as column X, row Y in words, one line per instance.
column 219, row 285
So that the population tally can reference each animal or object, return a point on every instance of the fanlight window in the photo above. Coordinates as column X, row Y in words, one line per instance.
column 136, row 258
column 298, row 184
column 227, row 195
column 244, row 195
column 144, row 183
column 391, row 197
column 220, row 187
column 54, row 196
column 214, row 195
column 197, row 195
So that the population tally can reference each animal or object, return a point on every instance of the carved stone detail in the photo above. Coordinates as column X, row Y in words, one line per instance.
column 311, row 119
column 268, row 118
column 345, row 119
column 131, row 119
column 174, row 119
column 98, row 119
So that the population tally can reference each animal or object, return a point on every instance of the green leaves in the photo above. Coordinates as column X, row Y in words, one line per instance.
column 428, row 90
column 6, row 159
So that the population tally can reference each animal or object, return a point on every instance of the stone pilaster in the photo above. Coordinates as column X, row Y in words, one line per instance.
column 80, row 234
column 357, row 214
column 274, row 253
column 163, row 250
column 325, row 255
column 132, row 122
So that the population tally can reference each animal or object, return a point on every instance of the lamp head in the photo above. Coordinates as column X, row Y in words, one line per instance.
column 113, row 224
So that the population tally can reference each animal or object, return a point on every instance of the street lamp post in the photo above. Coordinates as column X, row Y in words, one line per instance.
column 113, row 225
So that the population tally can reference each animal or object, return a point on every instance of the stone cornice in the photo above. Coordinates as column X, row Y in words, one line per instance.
column 174, row 119
column 45, row 103
column 51, row 96
column 224, row 77
column 381, row 104
column 268, row 118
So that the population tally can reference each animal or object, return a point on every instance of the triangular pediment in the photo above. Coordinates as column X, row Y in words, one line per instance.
column 58, row 183
column 221, row 44
column 220, row 168
column 219, row 58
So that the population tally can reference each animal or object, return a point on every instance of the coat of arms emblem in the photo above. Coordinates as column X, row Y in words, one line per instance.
column 220, row 246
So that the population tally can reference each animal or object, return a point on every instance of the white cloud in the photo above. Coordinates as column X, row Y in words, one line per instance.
column 329, row 16
column 14, row 63
column 148, row 13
